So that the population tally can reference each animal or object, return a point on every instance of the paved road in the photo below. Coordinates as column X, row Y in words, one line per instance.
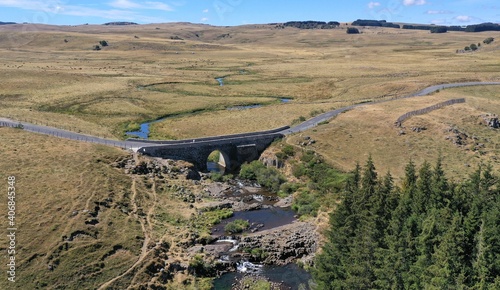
column 70, row 135
column 135, row 145
column 328, row 115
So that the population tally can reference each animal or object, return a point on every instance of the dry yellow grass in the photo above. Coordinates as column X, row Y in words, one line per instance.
column 58, row 186
column 51, row 81
column 61, row 186
column 354, row 135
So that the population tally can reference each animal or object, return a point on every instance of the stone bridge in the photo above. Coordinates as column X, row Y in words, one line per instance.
column 236, row 149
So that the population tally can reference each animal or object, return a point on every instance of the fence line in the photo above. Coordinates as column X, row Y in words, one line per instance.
column 406, row 116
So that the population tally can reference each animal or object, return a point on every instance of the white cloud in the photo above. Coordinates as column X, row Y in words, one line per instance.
column 438, row 12
column 52, row 6
column 464, row 18
column 158, row 6
column 125, row 10
column 205, row 11
column 372, row 4
column 127, row 4
column 124, row 4
column 204, row 19
column 414, row 2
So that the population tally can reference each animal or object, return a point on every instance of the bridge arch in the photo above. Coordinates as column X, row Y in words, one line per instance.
column 218, row 160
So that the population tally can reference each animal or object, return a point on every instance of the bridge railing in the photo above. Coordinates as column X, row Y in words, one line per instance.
column 212, row 138
column 408, row 115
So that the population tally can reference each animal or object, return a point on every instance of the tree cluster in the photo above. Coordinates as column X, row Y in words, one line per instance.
column 429, row 233
column 376, row 23
column 483, row 27
column 439, row 29
column 312, row 24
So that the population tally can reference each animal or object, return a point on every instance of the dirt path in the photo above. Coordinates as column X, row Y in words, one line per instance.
column 146, row 230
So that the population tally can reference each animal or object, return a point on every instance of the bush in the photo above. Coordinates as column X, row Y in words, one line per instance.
column 306, row 203
column 288, row 150
column 270, row 177
column 249, row 170
column 439, row 29
column 103, row 43
column 352, row 30
column 473, row 47
column 488, row 40
column 288, row 188
column 216, row 176
column 237, row 226
column 298, row 170
column 97, row 47
column 467, row 48
column 258, row 254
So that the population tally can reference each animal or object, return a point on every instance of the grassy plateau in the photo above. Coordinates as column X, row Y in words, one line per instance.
column 52, row 76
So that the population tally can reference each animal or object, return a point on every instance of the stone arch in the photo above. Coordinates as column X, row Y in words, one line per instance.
column 223, row 159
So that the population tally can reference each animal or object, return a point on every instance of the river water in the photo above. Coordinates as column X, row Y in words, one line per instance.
column 291, row 275
column 268, row 217
column 143, row 132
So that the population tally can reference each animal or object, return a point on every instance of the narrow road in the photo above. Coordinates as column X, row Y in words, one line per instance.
column 313, row 122
column 135, row 145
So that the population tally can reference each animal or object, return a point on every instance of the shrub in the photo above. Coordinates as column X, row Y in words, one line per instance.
column 236, row 226
column 298, row 170
column 352, row 30
column 270, row 177
column 103, row 43
column 216, row 176
column 288, row 150
column 306, row 203
column 258, row 254
column 488, row 40
column 97, row 47
column 288, row 188
column 473, row 47
column 467, row 48
column 439, row 29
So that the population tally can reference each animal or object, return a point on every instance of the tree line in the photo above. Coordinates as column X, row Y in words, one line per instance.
column 427, row 233
column 309, row 24
column 432, row 28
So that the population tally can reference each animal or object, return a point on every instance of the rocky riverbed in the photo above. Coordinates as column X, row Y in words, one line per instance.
column 274, row 237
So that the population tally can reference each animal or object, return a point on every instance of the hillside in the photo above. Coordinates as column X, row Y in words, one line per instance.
column 271, row 76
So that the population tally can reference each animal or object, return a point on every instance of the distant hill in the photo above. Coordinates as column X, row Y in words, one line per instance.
column 5, row 23
column 121, row 23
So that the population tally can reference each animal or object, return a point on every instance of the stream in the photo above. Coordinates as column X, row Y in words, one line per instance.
column 266, row 216
column 292, row 276
column 143, row 132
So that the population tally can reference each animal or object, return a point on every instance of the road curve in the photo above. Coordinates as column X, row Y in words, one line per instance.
column 313, row 122
column 135, row 145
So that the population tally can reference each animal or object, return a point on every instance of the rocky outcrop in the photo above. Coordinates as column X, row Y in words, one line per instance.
column 284, row 244
column 157, row 167
column 491, row 120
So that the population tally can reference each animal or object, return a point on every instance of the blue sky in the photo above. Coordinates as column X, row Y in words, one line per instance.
column 237, row 12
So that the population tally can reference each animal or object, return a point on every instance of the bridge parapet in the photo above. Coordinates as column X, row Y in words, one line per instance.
column 240, row 149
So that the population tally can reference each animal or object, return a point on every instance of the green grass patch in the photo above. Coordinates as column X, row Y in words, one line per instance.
column 236, row 226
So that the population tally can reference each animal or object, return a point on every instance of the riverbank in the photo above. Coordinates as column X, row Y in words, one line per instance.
column 200, row 245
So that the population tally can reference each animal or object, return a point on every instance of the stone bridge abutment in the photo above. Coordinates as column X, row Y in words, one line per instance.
column 236, row 149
